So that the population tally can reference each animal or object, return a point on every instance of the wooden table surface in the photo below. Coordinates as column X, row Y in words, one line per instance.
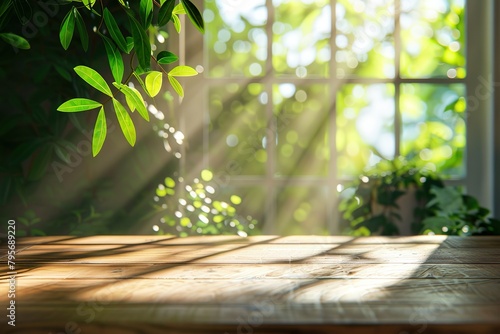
column 263, row 284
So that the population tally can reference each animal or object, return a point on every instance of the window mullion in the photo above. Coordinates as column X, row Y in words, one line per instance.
column 334, row 84
column 397, row 78
column 271, row 130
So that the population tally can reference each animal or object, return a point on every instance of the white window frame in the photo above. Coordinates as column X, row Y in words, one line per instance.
column 192, row 114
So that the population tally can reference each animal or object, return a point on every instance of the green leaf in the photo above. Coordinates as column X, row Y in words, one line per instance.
column 470, row 203
column 67, row 29
column 141, row 43
column 40, row 162
column 78, row 104
column 387, row 196
column 177, row 23
column 114, row 31
column 10, row 123
column 120, row 87
column 166, row 57
column 89, row 3
column 146, row 12
column 94, row 79
column 63, row 72
column 15, row 40
column 125, row 121
column 82, row 30
column 176, row 85
column 138, row 102
column 153, row 83
column 5, row 6
column 182, row 71
column 451, row 106
column 25, row 150
column 361, row 211
column 114, row 58
column 194, row 15
column 436, row 224
column 449, row 199
column 165, row 13
column 100, row 131
column 130, row 103
column 37, row 232
column 23, row 11
column 179, row 9
column 140, row 81
column 134, row 100
column 139, row 70
column 58, row 150
column 374, row 224
column 130, row 44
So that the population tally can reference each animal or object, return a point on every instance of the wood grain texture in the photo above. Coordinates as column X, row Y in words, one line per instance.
column 28, row 271
column 167, row 328
column 264, row 284
column 244, row 291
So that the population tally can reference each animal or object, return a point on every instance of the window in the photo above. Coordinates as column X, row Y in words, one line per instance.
column 297, row 97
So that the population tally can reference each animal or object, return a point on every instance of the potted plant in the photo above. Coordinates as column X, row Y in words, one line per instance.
column 396, row 197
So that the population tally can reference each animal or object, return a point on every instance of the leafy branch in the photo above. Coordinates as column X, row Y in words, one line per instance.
column 140, row 23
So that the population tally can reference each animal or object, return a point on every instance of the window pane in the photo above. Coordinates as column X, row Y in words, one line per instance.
column 302, row 129
column 237, row 128
column 433, row 38
column 365, row 124
column 364, row 41
column 302, row 210
column 301, row 33
column 434, row 126
column 236, row 40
